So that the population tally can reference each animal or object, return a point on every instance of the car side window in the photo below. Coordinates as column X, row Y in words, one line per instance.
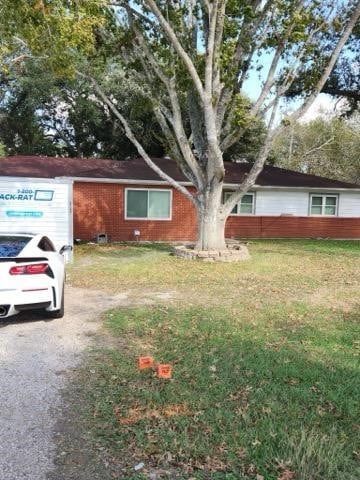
column 46, row 245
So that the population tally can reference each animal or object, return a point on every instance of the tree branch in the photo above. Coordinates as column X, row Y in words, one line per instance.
column 242, row 61
column 319, row 147
column 215, row 167
column 292, row 72
column 181, row 136
column 218, row 38
column 255, row 169
column 130, row 135
column 332, row 61
column 176, row 118
column 173, row 146
column 270, row 80
column 171, row 35
column 209, row 61
column 149, row 55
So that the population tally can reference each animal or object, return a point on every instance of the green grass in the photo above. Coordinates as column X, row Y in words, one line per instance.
column 279, row 269
column 266, row 363
column 330, row 247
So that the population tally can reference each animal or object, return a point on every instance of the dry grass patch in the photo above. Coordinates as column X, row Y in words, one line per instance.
column 321, row 272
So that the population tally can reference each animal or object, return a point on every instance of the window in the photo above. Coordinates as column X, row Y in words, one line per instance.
column 246, row 206
column 148, row 204
column 323, row 204
column 12, row 246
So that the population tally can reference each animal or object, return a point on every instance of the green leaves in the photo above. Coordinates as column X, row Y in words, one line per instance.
column 55, row 31
column 327, row 147
column 241, row 114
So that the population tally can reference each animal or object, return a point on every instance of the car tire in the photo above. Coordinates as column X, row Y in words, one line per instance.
column 59, row 313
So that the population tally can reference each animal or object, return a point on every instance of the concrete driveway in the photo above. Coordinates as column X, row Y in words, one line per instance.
column 36, row 356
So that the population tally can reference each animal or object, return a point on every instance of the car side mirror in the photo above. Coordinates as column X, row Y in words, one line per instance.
column 65, row 248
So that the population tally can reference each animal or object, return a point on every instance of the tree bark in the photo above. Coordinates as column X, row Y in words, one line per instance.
column 211, row 219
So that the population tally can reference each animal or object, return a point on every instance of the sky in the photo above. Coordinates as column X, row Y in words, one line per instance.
column 324, row 106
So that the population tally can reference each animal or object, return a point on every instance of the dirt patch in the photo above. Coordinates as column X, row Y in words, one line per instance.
column 335, row 297
column 76, row 457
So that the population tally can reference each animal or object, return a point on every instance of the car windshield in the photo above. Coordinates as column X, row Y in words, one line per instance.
column 12, row 246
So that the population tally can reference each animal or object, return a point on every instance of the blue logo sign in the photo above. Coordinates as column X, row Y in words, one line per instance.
column 20, row 213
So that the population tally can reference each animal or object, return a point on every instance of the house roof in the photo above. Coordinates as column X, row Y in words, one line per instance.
column 94, row 168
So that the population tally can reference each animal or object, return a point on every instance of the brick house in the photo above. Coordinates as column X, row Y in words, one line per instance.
column 120, row 198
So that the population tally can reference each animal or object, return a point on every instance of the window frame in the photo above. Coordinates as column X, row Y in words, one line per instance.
column 127, row 189
column 240, row 214
column 323, row 204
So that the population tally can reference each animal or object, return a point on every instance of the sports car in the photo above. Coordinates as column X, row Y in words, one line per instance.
column 32, row 275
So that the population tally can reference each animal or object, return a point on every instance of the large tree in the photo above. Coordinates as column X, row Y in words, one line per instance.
column 205, row 50
column 192, row 59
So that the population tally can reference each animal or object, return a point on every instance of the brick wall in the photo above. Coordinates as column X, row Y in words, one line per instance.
column 99, row 207
column 293, row 227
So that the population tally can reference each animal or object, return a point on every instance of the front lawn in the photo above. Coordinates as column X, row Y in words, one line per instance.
column 265, row 356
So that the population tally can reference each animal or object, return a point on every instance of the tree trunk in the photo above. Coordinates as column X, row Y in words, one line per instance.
column 211, row 221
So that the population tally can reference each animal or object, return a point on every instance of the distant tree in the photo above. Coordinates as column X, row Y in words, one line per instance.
column 20, row 130
column 43, row 114
column 47, row 33
column 2, row 150
column 329, row 148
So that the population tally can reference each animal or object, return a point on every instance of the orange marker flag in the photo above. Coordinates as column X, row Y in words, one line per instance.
column 164, row 371
column 145, row 362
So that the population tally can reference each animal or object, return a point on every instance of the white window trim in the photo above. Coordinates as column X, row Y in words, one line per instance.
column 323, row 195
column 239, row 214
column 149, row 218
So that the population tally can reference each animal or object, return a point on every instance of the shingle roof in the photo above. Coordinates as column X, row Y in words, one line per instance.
column 52, row 167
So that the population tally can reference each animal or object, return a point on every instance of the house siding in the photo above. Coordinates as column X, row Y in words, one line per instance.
column 349, row 204
column 282, row 202
column 99, row 208
column 278, row 202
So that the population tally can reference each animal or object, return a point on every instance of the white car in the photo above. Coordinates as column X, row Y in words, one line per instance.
column 32, row 275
